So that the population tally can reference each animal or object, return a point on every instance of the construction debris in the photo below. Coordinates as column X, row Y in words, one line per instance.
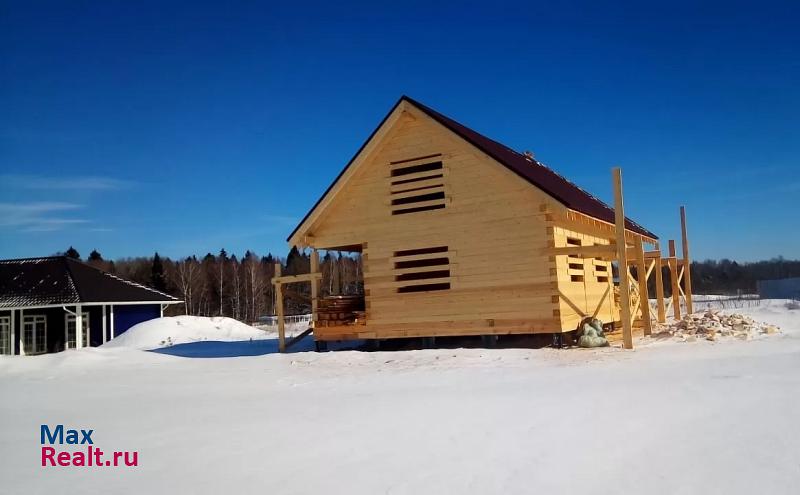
column 713, row 326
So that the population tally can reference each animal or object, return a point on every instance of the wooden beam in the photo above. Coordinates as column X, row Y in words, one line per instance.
column 622, row 256
column 644, row 299
column 279, row 310
column 599, row 251
column 673, row 278
column 687, row 275
column 660, row 308
column 580, row 222
column 314, row 285
column 298, row 338
column 293, row 279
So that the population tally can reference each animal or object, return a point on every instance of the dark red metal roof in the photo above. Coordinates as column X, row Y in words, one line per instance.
column 539, row 175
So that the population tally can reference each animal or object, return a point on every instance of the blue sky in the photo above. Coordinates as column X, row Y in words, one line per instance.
column 132, row 127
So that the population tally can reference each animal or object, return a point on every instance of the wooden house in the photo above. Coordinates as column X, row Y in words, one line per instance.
column 461, row 235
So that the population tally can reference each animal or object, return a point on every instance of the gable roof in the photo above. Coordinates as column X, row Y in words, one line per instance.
column 534, row 172
column 61, row 280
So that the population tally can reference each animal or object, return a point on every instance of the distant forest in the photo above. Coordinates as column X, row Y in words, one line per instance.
column 227, row 285
column 241, row 288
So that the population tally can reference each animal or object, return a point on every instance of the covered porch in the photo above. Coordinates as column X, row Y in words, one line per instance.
column 31, row 330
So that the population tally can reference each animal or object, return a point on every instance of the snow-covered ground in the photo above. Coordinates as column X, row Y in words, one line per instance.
column 169, row 331
column 669, row 417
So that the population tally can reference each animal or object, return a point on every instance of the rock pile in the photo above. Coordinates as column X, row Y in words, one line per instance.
column 714, row 325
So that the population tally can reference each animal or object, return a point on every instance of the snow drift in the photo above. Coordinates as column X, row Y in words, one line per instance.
column 165, row 332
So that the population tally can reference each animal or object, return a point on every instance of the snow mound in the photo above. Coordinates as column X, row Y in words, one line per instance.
column 164, row 332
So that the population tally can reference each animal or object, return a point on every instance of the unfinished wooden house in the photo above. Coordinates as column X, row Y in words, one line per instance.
column 461, row 235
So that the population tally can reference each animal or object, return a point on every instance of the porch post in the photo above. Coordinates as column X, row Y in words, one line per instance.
column 78, row 327
column 105, row 323
column 13, row 329
column 314, row 286
column 21, row 331
column 279, row 310
column 111, row 311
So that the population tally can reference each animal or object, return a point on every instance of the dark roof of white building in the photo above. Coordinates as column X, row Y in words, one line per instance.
column 32, row 282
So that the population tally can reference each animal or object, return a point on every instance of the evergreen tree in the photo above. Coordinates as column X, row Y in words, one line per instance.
column 72, row 253
column 157, row 280
column 94, row 256
column 297, row 262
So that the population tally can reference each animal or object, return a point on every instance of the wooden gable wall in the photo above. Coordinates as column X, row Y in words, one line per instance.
column 494, row 227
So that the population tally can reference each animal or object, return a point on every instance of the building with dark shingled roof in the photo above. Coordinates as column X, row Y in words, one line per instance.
column 55, row 303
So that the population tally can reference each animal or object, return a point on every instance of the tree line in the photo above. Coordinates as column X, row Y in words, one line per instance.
column 241, row 287
column 727, row 277
column 227, row 285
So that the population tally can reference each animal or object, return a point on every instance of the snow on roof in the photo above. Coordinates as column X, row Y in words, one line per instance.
column 54, row 280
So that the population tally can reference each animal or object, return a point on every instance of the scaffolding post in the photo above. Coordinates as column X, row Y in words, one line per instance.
column 673, row 277
column 641, row 276
column 660, row 308
column 622, row 257
column 687, row 264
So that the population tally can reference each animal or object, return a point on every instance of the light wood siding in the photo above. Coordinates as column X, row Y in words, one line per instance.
column 585, row 285
column 493, row 225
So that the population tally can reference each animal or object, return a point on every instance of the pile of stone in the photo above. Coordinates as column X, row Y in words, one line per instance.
column 714, row 325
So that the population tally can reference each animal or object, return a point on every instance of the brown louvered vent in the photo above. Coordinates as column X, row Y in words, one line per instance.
column 417, row 184
column 422, row 270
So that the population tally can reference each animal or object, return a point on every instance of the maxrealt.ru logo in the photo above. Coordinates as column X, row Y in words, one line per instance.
column 91, row 456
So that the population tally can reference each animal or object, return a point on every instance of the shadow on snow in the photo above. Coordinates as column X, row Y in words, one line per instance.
column 217, row 349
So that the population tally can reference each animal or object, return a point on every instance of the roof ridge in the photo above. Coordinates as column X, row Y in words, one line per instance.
column 115, row 277
column 34, row 258
column 71, row 277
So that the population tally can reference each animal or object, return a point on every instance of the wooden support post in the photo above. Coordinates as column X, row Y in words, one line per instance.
column 673, row 278
column 687, row 264
column 279, row 311
column 660, row 309
column 644, row 298
column 622, row 257
column 14, row 332
column 314, row 286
